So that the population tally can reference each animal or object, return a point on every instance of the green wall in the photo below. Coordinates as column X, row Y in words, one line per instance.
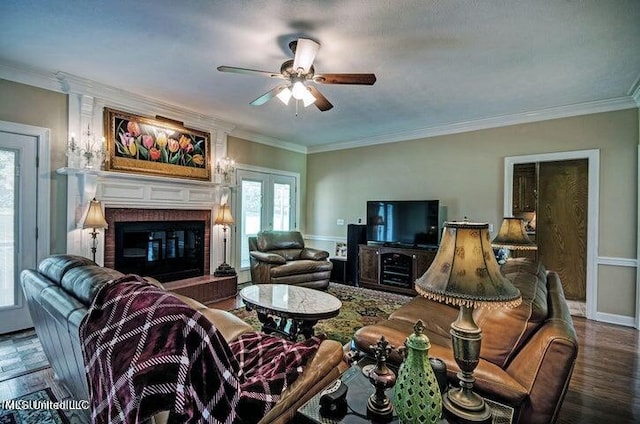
column 466, row 173
column 29, row 105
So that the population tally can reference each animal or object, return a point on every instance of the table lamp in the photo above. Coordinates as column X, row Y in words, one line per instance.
column 512, row 236
column 465, row 273
column 225, row 219
column 94, row 220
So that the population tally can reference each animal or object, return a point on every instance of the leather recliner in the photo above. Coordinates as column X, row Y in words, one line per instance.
column 280, row 257
column 60, row 291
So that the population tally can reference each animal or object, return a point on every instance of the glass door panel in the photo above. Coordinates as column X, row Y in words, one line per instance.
column 283, row 202
column 18, row 210
column 8, row 276
column 250, row 215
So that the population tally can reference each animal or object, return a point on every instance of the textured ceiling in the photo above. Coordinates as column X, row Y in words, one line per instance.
column 438, row 63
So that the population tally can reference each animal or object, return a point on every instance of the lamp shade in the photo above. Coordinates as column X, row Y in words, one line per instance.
column 513, row 236
column 95, row 217
column 465, row 272
column 224, row 216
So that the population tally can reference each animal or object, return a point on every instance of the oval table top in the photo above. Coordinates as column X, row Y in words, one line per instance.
column 291, row 301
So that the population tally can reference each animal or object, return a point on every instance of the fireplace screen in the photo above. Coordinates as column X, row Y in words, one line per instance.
column 167, row 251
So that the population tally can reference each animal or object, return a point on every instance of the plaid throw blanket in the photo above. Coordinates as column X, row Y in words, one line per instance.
column 146, row 351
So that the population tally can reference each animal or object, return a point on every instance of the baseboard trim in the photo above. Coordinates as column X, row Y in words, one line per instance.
column 615, row 319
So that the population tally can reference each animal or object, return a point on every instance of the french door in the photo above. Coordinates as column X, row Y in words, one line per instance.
column 265, row 201
column 18, row 223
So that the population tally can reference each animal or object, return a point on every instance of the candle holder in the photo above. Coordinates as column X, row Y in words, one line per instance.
column 73, row 153
column 379, row 407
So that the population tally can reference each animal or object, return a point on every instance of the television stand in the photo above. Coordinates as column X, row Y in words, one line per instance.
column 392, row 268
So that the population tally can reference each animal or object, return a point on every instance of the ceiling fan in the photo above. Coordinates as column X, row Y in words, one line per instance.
column 297, row 73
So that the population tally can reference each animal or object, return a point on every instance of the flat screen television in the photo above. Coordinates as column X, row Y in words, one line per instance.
column 412, row 223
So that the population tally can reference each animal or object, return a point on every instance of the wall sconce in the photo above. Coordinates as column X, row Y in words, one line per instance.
column 87, row 152
column 94, row 220
column 224, row 170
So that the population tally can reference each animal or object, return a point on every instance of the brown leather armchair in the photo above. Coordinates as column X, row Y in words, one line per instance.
column 280, row 257
column 527, row 354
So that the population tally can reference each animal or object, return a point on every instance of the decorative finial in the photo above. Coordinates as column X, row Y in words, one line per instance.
column 381, row 351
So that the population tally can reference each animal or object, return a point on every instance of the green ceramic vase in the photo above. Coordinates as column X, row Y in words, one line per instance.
column 417, row 397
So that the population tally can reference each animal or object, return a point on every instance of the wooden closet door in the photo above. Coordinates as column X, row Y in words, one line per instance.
column 561, row 230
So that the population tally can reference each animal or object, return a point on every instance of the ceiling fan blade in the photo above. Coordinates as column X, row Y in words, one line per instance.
column 359, row 79
column 268, row 96
column 321, row 102
column 305, row 53
column 246, row 71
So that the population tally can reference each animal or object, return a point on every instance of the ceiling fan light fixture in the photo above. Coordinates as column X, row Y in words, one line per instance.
column 298, row 90
column 306, row 51
column 308, row 99
column 284, row 95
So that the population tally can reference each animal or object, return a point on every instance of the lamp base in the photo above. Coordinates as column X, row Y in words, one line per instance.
column 475, row 414
column 224, row 270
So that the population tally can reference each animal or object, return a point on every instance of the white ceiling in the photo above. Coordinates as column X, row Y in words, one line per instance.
column 440, row 64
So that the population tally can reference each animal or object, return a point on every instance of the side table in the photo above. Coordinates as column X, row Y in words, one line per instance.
column 339, row 270
column 359, row 391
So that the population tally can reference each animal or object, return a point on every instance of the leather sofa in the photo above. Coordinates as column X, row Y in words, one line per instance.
column 527, row 354
column 60, row 292
column 280, row 257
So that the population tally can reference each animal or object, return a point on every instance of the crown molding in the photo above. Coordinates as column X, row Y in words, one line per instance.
column 636, row 94
column 587, row 108
column 15, row 72
column 634, row 91
column 65, row 83
column 269, row 141
column 73, row 84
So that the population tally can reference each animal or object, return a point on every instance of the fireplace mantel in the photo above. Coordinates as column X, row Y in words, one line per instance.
column 136, row 191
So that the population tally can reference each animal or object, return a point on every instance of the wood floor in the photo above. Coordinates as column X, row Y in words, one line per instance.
column 605, row 387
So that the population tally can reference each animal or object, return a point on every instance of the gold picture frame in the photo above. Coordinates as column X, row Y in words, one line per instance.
column 155, row 146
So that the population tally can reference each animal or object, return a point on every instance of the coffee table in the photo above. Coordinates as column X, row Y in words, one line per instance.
column 289, row 310
column 359, row 390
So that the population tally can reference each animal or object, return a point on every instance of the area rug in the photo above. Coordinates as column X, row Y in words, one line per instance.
column 20, row 353
column 40, row 414
column 360, row 307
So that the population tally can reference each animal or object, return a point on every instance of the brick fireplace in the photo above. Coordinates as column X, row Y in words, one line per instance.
column 115, row 215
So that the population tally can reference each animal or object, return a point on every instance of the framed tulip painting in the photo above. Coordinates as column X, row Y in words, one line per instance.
column 155, row 146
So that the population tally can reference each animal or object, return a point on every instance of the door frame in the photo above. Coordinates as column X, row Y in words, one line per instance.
column 243, row 274
column 43, row 183
column 637, row 320
column 43, row 212
column 593, row 202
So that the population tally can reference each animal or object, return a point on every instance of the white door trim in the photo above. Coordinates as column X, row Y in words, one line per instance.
column 637, row 320
column 43, row 207
column 593, row 156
